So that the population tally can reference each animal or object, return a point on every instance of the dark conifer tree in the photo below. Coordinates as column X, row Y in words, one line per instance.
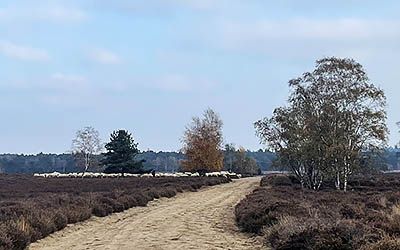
column 121, row 153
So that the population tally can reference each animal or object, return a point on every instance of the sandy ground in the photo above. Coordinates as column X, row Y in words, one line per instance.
column 191, row 220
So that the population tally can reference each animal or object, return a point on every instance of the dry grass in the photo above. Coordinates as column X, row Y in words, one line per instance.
column 368, row 217
column 32, row 208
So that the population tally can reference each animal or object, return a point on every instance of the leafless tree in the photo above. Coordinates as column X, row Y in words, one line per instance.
column 85, row 145
column 398, row 125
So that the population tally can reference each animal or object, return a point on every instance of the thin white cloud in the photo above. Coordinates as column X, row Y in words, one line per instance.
column 179, row 83
column 24, row 53
column 104, row 56
column 173, row 82
column 52, row 13
column 337, row 29
column 162, row 7
column 54, row 83
column 67, row 81
column 198, row 4
column 309, row 37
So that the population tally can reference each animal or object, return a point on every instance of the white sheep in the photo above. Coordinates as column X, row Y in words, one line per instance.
column 195, row 174
column 116, row 175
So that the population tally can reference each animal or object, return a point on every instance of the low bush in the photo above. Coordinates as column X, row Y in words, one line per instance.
column 368, row 217
column 384, row 244
column 32, row 208
column 279, row 180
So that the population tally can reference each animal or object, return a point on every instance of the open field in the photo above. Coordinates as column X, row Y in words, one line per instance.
column 367, row 217
column 32, row 208
column 199, row 220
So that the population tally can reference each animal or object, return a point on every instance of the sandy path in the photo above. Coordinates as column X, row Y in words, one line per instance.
column 191, row 220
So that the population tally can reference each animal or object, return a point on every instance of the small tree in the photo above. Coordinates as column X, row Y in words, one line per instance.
column 229, row 156
column 121, row 153
column 202, row 144
column 244, row 164
column 86, row 145
column 398, row 145
column 398, row 125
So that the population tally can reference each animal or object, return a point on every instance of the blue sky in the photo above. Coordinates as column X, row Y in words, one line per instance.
column 149, row 66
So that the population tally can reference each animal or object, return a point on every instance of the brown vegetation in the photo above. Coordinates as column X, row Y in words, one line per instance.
column 202, row 144
column 32, row 208
column 367, row 217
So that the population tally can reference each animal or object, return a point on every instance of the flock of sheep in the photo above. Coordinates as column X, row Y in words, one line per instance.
column 103, row 175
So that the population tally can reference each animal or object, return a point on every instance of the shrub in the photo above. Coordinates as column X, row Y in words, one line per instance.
column 294, row 233
column 13, row 235
column 351, row 211
column 277, row 180
column 291, row 218
column 60, row 220
column 168, row 192
column 102, row 209
column 384, row 244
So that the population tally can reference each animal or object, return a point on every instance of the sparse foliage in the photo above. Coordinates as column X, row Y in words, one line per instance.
column 398, row 125
column 237, row 161
column 334, row 115
column 229, row 156
column 85, row 145
column 245, row 164
column 202, row 143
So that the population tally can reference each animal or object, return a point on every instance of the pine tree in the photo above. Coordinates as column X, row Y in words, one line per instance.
column 121, row 153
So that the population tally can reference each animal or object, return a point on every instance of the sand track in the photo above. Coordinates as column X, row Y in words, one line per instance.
column 191, row 220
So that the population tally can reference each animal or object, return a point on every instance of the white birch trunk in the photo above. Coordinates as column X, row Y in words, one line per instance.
column 337, row 182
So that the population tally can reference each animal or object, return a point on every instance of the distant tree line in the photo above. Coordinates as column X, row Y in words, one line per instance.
column 159, row 161
column 39, row 163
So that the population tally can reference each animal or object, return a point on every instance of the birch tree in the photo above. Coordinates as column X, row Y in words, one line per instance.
column 398, row 145
column 355, row 114
column 291, row 134
column 334, row 115
column 244, row 164
column 229, row 156
column 398, row 125
column 202, row 143
column 86, row 145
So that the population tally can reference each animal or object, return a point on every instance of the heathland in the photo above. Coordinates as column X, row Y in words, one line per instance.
column 289, row 217
column 32, row 208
